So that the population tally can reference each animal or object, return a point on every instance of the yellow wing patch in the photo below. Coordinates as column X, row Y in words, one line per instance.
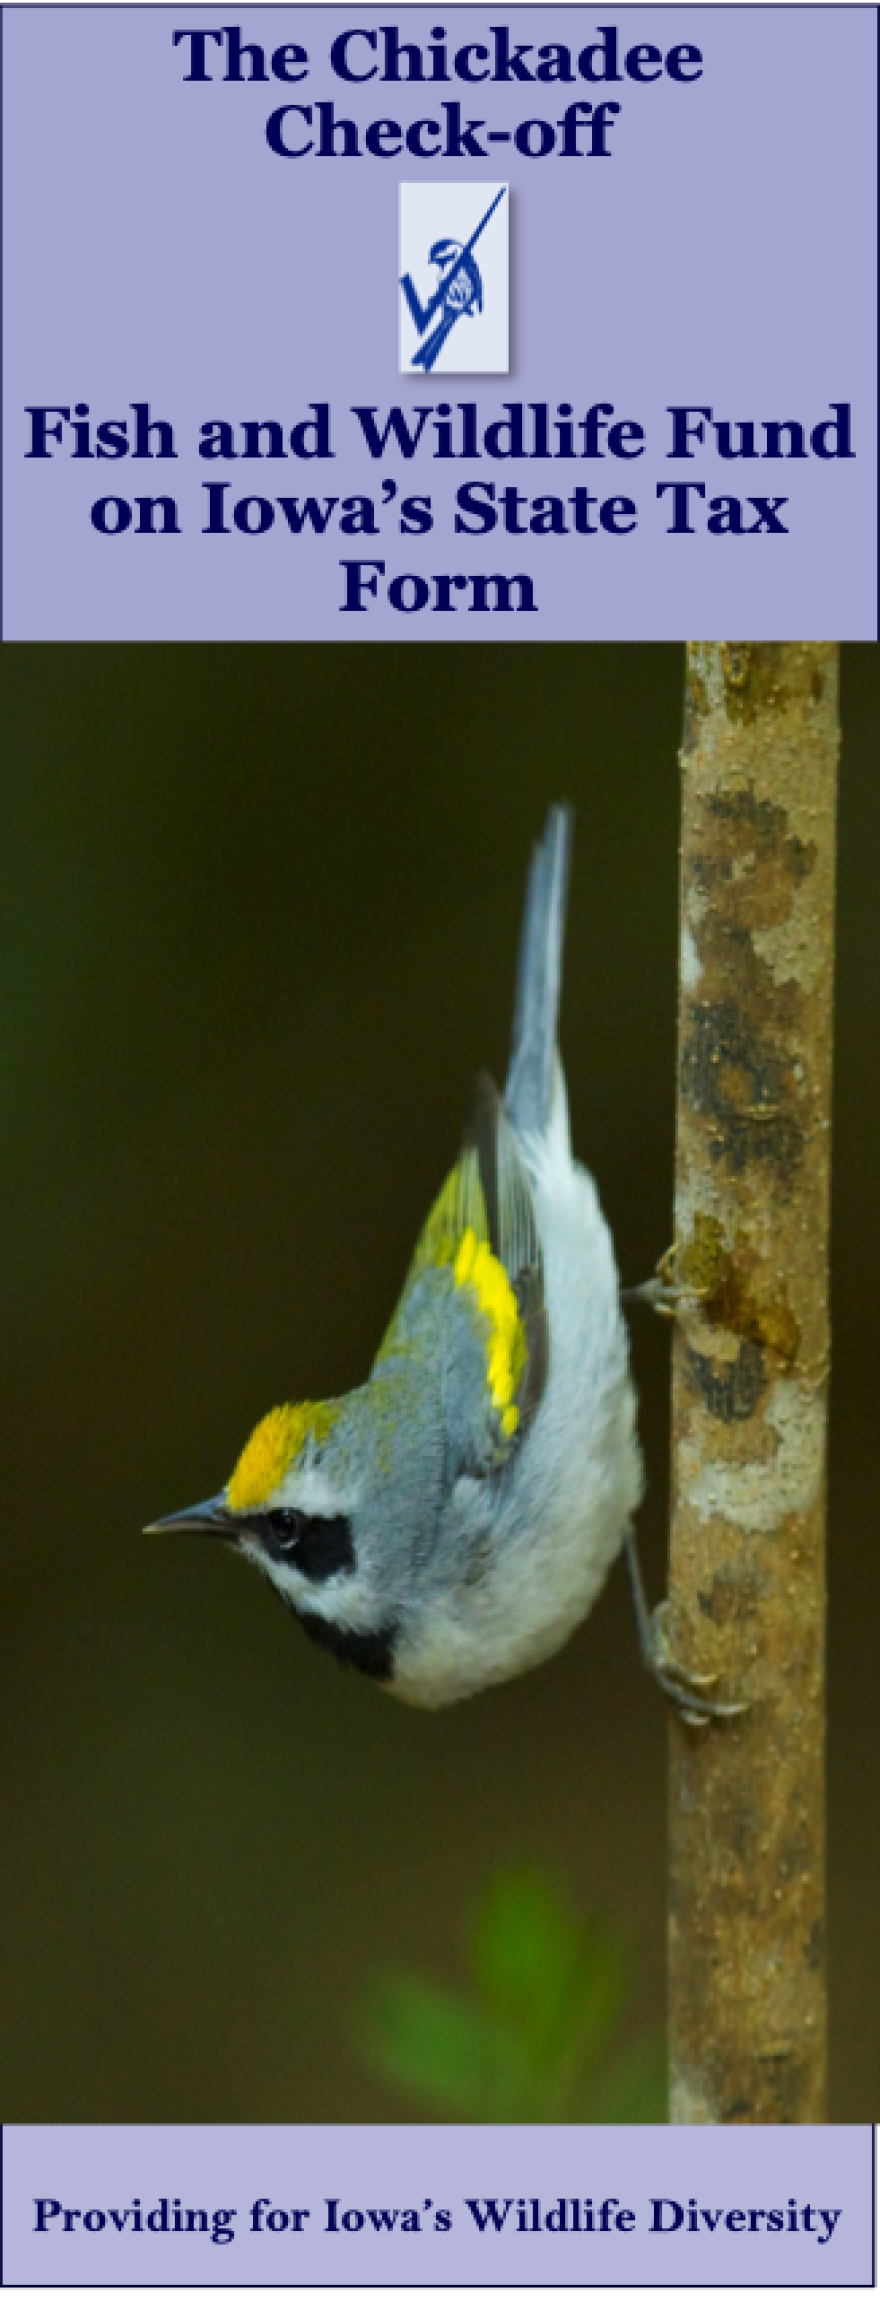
column 459, row 1210
column 478, row 1268
column 456, row 1236
column 273, row 1446
column 458, row 1206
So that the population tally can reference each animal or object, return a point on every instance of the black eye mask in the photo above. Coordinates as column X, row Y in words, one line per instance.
column 318, row 1547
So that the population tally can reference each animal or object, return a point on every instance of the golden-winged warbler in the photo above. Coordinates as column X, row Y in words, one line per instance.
column 449, row 1523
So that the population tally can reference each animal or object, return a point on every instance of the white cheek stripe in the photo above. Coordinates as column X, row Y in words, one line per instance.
column 345, row 1598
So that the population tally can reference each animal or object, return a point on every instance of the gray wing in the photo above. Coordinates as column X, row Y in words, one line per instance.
column 492, row 1147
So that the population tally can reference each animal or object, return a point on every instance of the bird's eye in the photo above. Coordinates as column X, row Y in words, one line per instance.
column 318, row 1547
column 285, row 1526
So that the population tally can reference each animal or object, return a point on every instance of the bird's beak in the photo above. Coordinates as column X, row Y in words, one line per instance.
column 212, row 1517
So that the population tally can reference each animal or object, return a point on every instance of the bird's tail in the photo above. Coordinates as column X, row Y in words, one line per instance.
column 529, row 1090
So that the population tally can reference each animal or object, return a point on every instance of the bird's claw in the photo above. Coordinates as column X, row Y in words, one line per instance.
column 685, row 1689
column 662, row 1296
column 662, row 1292
column 663, row 1659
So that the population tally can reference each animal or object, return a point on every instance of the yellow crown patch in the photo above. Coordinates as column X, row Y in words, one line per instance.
column 476, row 1266
column 273, row 1446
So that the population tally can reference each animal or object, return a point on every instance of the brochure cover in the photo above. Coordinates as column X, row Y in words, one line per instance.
column 440, row 998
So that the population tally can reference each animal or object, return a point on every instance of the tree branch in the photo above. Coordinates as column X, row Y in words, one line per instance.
column 750, row 1362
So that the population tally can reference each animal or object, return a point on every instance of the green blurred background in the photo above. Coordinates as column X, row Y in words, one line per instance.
column 260, row 910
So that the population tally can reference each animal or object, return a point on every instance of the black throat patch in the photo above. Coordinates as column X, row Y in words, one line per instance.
column 371, row 1651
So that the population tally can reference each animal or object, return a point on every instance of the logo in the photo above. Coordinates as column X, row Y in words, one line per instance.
column 454, row 249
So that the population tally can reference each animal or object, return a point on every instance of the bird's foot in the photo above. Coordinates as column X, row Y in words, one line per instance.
column 686, row 1689
column 663, row 1293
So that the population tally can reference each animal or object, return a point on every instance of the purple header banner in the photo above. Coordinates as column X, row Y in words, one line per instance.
column 438, row 2205
column 382, row 324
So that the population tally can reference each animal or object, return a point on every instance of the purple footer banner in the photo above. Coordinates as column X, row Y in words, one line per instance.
column 438, row 2205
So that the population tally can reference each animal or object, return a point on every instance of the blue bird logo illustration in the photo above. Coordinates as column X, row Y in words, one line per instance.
column 459, row 290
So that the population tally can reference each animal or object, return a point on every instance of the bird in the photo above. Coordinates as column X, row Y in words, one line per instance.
column 449, row 1523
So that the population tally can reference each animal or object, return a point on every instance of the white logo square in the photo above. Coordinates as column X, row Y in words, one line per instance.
column 454, row 256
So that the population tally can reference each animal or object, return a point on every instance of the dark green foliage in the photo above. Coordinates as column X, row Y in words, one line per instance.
column 533, row 2041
